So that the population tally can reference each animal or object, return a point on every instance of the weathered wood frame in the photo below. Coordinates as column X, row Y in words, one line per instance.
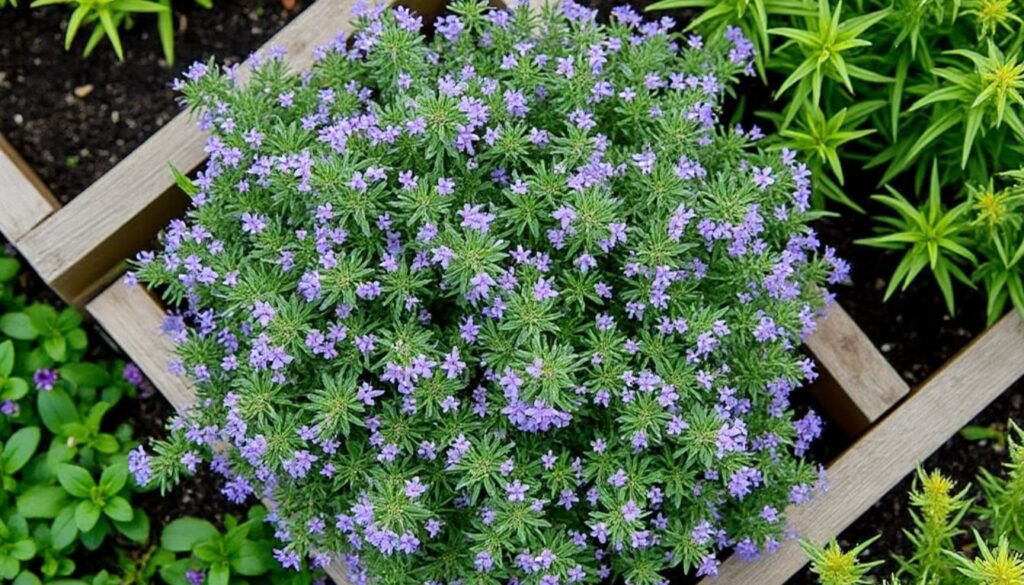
column 80, row 248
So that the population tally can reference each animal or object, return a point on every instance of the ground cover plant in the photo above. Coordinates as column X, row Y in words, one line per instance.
column 505, row 304
column 956, row 538
column 893, row 87
column 68, row 512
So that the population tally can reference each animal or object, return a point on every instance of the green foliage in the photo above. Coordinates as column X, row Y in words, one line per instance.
column 931, row 236
column 64, row 477
column 980, row 241
column 888, row 86
column 940, row 555
column 108, row 17
column 833, row 566
column 243, row 550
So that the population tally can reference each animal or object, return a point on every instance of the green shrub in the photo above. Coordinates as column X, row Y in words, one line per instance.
column 503, row 304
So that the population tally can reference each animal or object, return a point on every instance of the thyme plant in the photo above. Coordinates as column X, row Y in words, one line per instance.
column 505, row 305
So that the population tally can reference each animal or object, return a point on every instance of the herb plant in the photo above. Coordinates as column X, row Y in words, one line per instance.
column 506, row 304
column 993, row 553
column 242, row 551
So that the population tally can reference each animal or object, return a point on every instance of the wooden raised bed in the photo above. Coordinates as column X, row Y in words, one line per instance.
column 79, row 249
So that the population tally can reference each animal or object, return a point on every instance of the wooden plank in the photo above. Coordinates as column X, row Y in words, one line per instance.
column 133, row 319
column 121, row 212
column 857, row 383
column 893, row 448
column 24, row 199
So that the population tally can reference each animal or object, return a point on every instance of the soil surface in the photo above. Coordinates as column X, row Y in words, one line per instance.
column 74, row 118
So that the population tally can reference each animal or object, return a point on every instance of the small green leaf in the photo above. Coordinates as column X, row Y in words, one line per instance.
column 20, row 448
column 165, row 28
column 252, row 558
column 77, row 340
column 41, row 501
column 85, row 374
column 136, row 529
column 113, row 478
column 15, row 389
column 94, row 538
column 219, row 574
column 64, row 531
column 106, row 443
column 77, row 481
column 6, row 358
column 9, row 268
column 23, row 550
column 56, row 409
column 183, row 534
column 110, row 28
column 56, row 347
column 18, row 326
column 118, row 509
column 87, row 514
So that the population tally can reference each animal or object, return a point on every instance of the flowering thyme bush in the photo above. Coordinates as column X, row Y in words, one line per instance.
column 502, row 306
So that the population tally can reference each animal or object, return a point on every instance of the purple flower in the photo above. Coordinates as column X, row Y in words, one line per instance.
column 414, row 489
column 299, row 464
column 763, row 177
column 708, row 566
column 484, row 562
column 475, row 219
column 618, row 479
column 516, row 491
column 253, row 223
column 44, row 379
column 309, row 286
column 542, row 290
column 139, row 466
column 263, row 312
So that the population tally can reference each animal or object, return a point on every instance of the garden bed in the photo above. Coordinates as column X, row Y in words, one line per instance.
column 916, row 351
column 960, row 459
column 73, row 119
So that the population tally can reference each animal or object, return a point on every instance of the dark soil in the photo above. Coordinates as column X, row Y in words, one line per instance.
column 913, row 328
column 72, row 118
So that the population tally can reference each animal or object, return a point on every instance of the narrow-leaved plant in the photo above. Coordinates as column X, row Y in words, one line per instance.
column 502, row 305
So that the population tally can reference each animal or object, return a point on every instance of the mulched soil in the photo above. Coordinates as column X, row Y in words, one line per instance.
column 73, row 119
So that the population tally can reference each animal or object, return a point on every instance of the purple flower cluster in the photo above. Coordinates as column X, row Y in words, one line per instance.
column 508, row 304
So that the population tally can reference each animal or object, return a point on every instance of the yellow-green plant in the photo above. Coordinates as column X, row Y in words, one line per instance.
column 939, row 510
column 107, row 17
